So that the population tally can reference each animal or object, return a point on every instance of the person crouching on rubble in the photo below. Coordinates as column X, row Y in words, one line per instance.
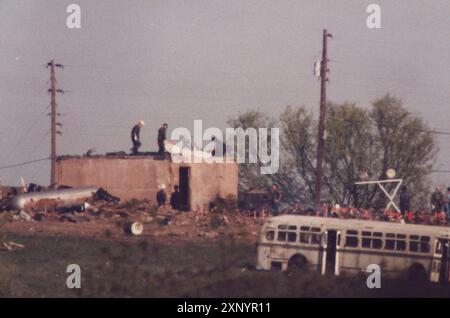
column 135, row 133
column 161, row 196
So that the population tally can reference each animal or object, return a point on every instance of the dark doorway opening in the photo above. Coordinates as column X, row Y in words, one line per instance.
column 331, row 252
column 443, row 273
column 185, row 204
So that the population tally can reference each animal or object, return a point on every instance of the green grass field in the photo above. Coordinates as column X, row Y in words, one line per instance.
column 147, row 268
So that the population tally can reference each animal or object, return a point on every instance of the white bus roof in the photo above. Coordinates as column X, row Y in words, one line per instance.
column 356, row 224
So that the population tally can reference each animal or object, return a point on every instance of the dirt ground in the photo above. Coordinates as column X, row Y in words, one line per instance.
column 165, row 224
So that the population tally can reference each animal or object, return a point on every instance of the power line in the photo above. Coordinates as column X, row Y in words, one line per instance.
column 239, row 74
column 428, row 131
column 440, row 171
column 24, row 163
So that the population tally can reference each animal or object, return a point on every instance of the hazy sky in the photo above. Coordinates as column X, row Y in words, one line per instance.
column 176, row 61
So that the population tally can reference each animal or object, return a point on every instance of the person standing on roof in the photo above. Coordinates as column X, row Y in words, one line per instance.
column 437, row 200
column 276, row 199
column 447, row 204
column 161, row 138
column 135, row 132
column 405, row 201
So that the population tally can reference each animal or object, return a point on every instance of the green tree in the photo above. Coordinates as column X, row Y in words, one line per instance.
column 360, row 143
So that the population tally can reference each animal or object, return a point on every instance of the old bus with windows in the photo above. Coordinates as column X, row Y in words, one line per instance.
column 337, row 246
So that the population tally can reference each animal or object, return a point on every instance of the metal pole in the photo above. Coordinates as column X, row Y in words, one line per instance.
column 53, row 123
column 322, row 117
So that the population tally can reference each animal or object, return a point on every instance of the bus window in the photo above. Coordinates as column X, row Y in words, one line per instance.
column 304, row 234
column 390, row 241
column 401, row 242
column 281, row 236
column 292, row 237
column 351, row 239
column 372, row 240
column 282, row 227
column 292, row 228
column 425, row 244
column 377, row 243
column 316, row 236
column 414, row 243
column 366, row 239
column 270, row 235
column 304, row 237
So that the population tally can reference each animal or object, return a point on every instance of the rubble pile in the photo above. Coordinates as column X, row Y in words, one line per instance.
column 136, row 217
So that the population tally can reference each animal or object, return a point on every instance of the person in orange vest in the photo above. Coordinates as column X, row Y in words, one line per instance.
column 410, row 216
column 422, row 217
column 344, row 211
column 441, row 217
column 365, row 214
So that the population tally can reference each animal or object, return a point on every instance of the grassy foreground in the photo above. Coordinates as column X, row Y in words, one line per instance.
column 147, row 268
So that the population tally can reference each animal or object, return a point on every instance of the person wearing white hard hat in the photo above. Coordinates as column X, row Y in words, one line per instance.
column 135, row 132
column 161, row 196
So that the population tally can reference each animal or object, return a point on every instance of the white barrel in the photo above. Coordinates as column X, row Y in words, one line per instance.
column 134, row 228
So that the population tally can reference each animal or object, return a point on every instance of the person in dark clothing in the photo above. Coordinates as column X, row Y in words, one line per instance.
column 447, row 204
column 276, row 199
column 135, row 132
column 405, row 201
column 437, row 200
column 213, row 152
column 175, row 198
column 161, row 138
column 218, row 143
column 161, row 196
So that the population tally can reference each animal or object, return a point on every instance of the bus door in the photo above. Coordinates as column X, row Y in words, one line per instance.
column 330, row 252
column 440, row 265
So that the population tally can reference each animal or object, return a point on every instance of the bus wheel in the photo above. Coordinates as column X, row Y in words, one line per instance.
column 417, row 273
column 297, row 262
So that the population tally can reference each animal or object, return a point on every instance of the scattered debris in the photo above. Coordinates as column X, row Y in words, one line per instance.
column 32, row 187
column 163, row 220
column 24, row 216
column 11, row 246
column 103, row 195
column 74, row 218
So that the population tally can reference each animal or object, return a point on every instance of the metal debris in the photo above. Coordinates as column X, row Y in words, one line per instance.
column 51, row 200
column 11, row 246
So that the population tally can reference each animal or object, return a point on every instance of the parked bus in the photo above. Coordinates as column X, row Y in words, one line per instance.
column 336, row 246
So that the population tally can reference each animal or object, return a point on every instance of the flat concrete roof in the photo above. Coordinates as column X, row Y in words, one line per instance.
column 118, row 155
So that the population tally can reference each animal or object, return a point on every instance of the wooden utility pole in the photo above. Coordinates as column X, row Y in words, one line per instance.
column 323, row 111
column 53, row 90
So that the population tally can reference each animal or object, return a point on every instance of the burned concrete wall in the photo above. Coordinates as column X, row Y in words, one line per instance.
column 138, row 177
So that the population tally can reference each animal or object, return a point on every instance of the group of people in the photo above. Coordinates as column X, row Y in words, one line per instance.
column 175, row 198
column 135, row 137
column 438, row 202
column 439, row 212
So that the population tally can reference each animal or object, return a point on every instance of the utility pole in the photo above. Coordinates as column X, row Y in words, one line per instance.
column 53, row 90
column 323, row 111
